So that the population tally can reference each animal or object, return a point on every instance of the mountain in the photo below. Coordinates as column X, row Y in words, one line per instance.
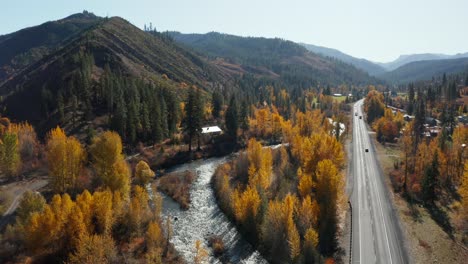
column 84, row 70
column 77, row 66
column 29, row 45
column 284, row 60
column 363, row 64
column 425, row 70
column 405, row 59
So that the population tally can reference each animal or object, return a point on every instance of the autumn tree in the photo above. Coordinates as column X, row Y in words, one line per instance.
column 246, row 207
column 311, row 240
column 260, row 164
column 374, row 106
column 10, row 159
column 463, row 191
column 30, row 203
column 154, row 241
column 143, row 173
column 27, row 141
column 329, row 190
column 94, row 249
column 65, row 156
column 279, row 232
column 109, row 163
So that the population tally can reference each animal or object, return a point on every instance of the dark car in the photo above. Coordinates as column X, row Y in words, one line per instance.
column 360, row 117
column 367, row 150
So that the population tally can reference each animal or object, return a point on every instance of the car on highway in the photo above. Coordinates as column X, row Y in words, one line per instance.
column 360, row 117
column 367, row 150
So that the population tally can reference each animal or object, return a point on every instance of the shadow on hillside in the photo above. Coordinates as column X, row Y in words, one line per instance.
column 441, row 218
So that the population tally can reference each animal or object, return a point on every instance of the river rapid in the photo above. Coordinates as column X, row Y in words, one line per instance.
column 204, row 218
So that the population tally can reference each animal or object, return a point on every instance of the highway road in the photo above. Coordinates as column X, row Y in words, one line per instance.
column 376, row 234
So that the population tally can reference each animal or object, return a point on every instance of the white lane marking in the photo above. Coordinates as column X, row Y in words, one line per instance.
column 383, row 219
column 380, row 205
column 359, row 192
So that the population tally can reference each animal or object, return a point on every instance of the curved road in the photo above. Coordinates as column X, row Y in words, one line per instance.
column 376, row 232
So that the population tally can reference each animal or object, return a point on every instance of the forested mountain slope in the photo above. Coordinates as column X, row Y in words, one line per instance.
column 363, row 64
column 21, row 48
column 289, row 62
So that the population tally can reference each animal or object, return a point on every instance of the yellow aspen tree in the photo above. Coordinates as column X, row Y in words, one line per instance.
column 102, row 207
column 84, row 202
column 75, row 228
column 154, row 235
column 94, row 249
column 65, row 156
column 260, row 164
column 143, row 173
column 311, row 237
column 329, row 190
column 294, row 240
column 139, row 208
column 307, row 214
column 109, row 163
column 305, row 183
column 246, row 203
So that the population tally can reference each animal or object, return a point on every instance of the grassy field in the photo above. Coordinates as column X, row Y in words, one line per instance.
column 339, row 98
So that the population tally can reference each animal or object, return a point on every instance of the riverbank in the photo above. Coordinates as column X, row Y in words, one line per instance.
column 203, row 219
column 177, row 185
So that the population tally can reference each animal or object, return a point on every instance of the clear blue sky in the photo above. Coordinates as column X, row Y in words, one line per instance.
column 372, row 29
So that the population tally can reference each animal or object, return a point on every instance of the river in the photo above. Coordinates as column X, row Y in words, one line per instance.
column 204, row 218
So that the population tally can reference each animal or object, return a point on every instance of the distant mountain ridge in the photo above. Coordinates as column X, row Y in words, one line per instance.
column 370, row 67
column 405, row 59
column 285, row 60
column 406, row 68
column 425, row 70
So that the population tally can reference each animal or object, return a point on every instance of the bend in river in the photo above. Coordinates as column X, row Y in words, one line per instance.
column 204, row 218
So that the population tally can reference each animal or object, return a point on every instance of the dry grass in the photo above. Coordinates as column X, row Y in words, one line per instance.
column 177, row 186
column 427, row 242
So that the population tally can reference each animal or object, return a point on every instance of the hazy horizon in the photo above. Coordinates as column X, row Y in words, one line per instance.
column 379, row 32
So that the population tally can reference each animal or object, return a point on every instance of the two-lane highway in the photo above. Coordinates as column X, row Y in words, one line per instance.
column 376, row 233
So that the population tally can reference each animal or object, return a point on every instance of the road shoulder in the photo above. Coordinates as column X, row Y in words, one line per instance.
column 426, row 242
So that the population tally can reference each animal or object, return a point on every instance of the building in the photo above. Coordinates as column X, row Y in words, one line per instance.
column 209, row 132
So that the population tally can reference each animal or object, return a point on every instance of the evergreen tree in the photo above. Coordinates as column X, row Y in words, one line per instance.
column 430, row 180
column 74, row 110
column 61, row 107
column 231, row 118
column 199, row 115
column 193, row 108
column 156, row 121
column 244, row 116
column 419, row 119
column 327, row 91
column 164, row 114
column 410, row 99
column 217, row 103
